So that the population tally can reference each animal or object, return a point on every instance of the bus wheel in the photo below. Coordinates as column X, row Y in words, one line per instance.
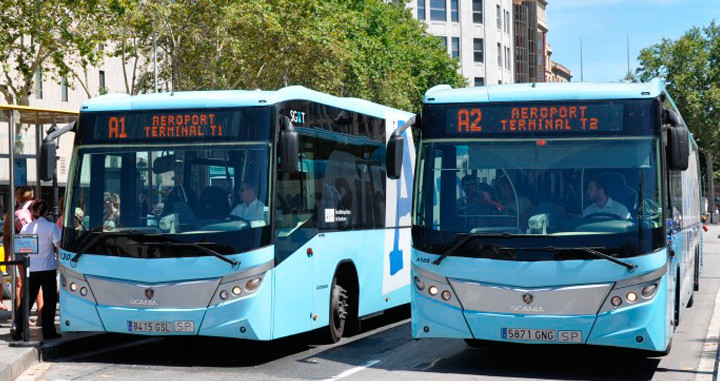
column 338, row 312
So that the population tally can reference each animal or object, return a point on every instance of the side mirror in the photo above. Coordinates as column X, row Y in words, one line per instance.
column 394, row 156
column 163, row 164
column 289, row 146
column 678, row 148
column 47, row 159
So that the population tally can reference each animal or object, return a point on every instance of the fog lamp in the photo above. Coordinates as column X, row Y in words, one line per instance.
column 433, row 290
column 419, row 283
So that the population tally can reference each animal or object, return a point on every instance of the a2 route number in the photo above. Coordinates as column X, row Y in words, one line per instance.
column 469, row 120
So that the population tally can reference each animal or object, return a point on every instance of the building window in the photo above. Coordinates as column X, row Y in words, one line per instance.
column 478, row 50
column 477, row 11
column 499, row 17
column 454, row 15
column 421, row 9
column 479, row 81
column 64, row 89
column 38, row 84
column 507, row 22
column 444, row 42
column 438, row 10
column 499, row 50
column 101, row 80
column 507, row 58
column 455, row 52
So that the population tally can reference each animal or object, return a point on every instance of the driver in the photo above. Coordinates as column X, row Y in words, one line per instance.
column 600, row 202
column 249, row 208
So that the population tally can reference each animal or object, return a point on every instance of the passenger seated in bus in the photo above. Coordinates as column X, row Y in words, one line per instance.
column 111, row 205
column 250, row 208
column 600, row 202
column 478, row 198
column 507, row 198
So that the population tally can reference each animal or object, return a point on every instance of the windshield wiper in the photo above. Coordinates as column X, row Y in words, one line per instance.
column 462, row 239
column 198, row 245
column 590, row 250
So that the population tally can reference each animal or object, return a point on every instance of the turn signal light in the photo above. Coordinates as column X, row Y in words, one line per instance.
column 419, row 283
column 649, row 290
column 253, row 284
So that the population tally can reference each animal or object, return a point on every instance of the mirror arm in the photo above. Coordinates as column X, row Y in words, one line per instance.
column 54, row 132
column 408, row 123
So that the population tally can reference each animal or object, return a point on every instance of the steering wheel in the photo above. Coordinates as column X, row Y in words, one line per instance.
column 604, row 215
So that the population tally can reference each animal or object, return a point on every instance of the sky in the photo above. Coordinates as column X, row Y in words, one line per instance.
column 605, row 26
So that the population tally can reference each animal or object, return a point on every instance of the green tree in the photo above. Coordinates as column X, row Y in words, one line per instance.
column 370, row 49
column 55, row 38
column 690, row 67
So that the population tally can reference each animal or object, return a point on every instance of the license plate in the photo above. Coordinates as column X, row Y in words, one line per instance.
column 541, row 335
column 150, row 326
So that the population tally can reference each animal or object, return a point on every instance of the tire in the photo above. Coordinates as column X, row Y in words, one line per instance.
column 338, row 313
column 474, row 343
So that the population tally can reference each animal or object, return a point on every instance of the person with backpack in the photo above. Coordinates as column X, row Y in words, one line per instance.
column 43, row 271
column 24, row 197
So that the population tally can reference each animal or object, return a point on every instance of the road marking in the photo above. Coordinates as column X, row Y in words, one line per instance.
column 706, row 368
column 353, row 370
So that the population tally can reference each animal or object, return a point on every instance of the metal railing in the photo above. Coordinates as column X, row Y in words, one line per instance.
column 23, row 265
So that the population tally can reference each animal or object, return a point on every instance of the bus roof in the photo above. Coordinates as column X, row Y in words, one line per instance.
column 545, row 92
column 234, row 98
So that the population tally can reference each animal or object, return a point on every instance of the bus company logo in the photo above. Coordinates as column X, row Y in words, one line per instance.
column 149, row 293
column 527, row 298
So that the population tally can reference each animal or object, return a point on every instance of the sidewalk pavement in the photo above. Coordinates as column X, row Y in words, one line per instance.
column 14, row 360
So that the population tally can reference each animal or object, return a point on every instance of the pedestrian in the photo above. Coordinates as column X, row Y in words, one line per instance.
column 22, row 216
column 43, row 271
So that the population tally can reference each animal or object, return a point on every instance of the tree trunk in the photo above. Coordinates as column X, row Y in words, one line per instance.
column 710, row 182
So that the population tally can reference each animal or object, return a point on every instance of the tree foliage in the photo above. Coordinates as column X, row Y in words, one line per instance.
column 57, row 38
column 369, row 49
column 690, row 67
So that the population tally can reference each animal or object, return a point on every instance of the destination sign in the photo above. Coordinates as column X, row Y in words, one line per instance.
column 520, row 119
column 176, row 126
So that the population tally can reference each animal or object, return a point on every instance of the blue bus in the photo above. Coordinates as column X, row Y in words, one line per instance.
column 244, row 214
column 555, row 213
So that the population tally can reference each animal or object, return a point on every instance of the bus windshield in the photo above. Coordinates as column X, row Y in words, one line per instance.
column 128, row 197
column 567, row 191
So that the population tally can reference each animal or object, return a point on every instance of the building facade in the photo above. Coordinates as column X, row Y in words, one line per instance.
column 479, row 33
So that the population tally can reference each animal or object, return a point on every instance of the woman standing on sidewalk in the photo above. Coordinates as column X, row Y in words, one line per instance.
column 43, row 268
